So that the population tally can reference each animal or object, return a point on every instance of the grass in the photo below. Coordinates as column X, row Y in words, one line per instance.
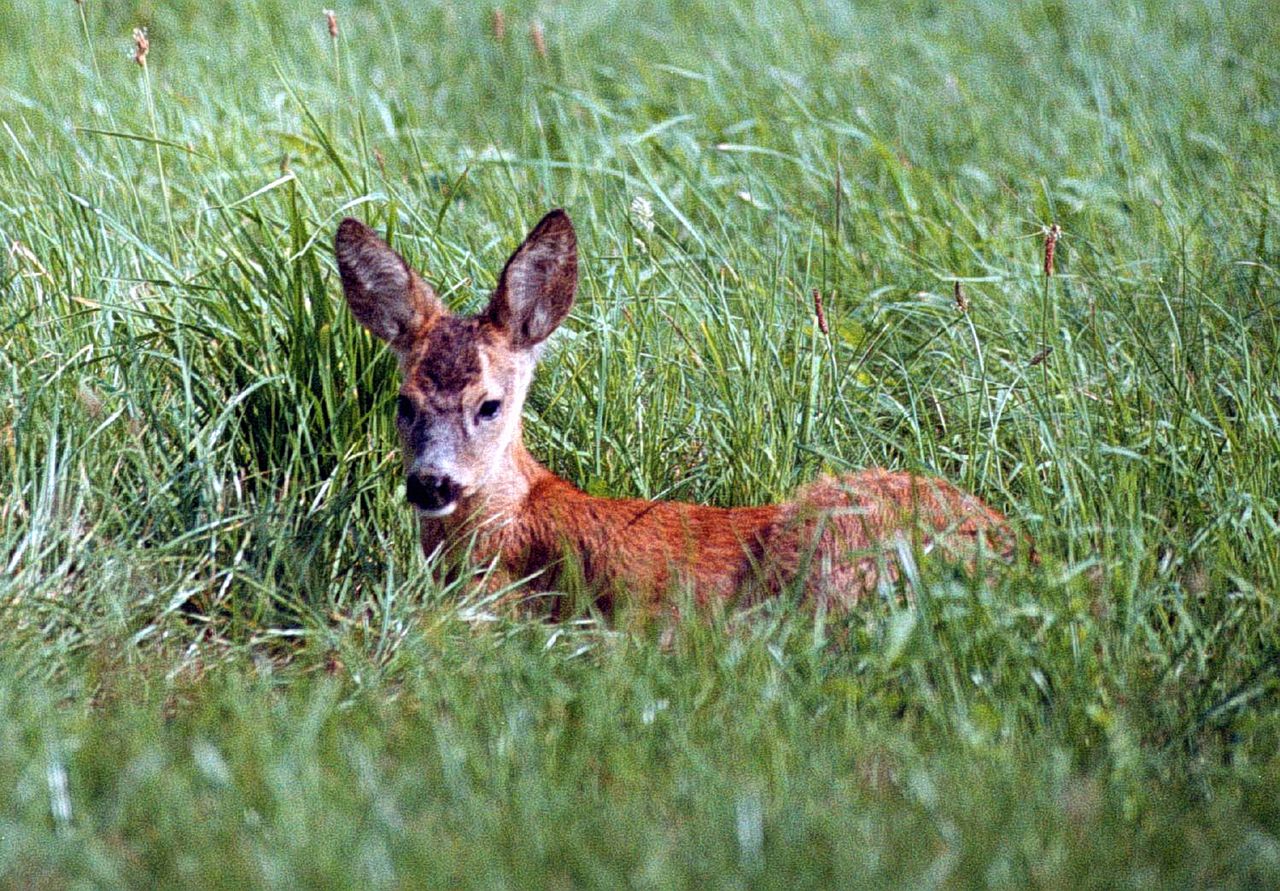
column 224, row 662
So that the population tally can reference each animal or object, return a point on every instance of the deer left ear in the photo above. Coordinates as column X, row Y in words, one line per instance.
column 536, row 287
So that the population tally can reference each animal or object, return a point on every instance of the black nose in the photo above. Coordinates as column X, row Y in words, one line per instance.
column 430, row 492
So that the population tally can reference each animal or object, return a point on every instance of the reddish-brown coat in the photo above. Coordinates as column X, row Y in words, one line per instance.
column 834, row 541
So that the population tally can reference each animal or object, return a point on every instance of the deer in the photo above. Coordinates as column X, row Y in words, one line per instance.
column 480, row 496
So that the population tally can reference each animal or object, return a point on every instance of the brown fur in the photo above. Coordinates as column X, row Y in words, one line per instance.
column 835, row 542
column 836, row 538
column 454, row 356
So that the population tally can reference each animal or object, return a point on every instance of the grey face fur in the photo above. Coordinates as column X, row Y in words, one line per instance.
column 464, row 378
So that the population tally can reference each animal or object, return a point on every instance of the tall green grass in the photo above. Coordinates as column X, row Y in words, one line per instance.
column 224, row 661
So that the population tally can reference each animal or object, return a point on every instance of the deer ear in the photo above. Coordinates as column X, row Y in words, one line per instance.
column 384, row 293
column 536, row 287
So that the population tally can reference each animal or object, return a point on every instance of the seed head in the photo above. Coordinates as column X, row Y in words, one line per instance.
column 1051, row 236
column 819, row 312
column 642, row 213
column 89, row 400
column 539, row 39
column 141, row 45
column 331, row 19
column 499, row 25
column 1040, row 357
column 962, row 302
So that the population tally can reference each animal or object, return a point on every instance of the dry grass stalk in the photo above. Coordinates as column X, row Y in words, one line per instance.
column 941, row 426
column 675, row 326
column 19, row 250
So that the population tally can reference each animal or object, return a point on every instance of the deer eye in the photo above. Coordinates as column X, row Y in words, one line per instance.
column 488, row 409
column 404, row 408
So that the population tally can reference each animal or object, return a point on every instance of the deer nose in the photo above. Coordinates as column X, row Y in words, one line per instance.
column 430, row 492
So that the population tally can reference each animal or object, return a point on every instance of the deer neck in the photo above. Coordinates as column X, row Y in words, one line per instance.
column 506, row 490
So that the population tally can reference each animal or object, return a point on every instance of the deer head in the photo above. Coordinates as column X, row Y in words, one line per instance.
column 463, row 378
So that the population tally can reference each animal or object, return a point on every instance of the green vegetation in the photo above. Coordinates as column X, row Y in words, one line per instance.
column 222, row 662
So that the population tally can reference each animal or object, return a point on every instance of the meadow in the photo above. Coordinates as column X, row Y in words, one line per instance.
column 223, row 660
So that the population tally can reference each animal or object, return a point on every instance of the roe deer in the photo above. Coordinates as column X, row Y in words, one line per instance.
column 474, row 486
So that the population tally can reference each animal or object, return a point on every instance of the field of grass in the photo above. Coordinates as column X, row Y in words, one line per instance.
column 222, row 659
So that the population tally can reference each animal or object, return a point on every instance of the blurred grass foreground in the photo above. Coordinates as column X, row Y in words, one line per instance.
column 222, row 660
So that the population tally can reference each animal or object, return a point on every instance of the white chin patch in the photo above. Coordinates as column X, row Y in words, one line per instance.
column 437, row 513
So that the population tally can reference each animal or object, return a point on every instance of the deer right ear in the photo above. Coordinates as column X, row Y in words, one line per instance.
column 383, row 291
column 536, row 287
